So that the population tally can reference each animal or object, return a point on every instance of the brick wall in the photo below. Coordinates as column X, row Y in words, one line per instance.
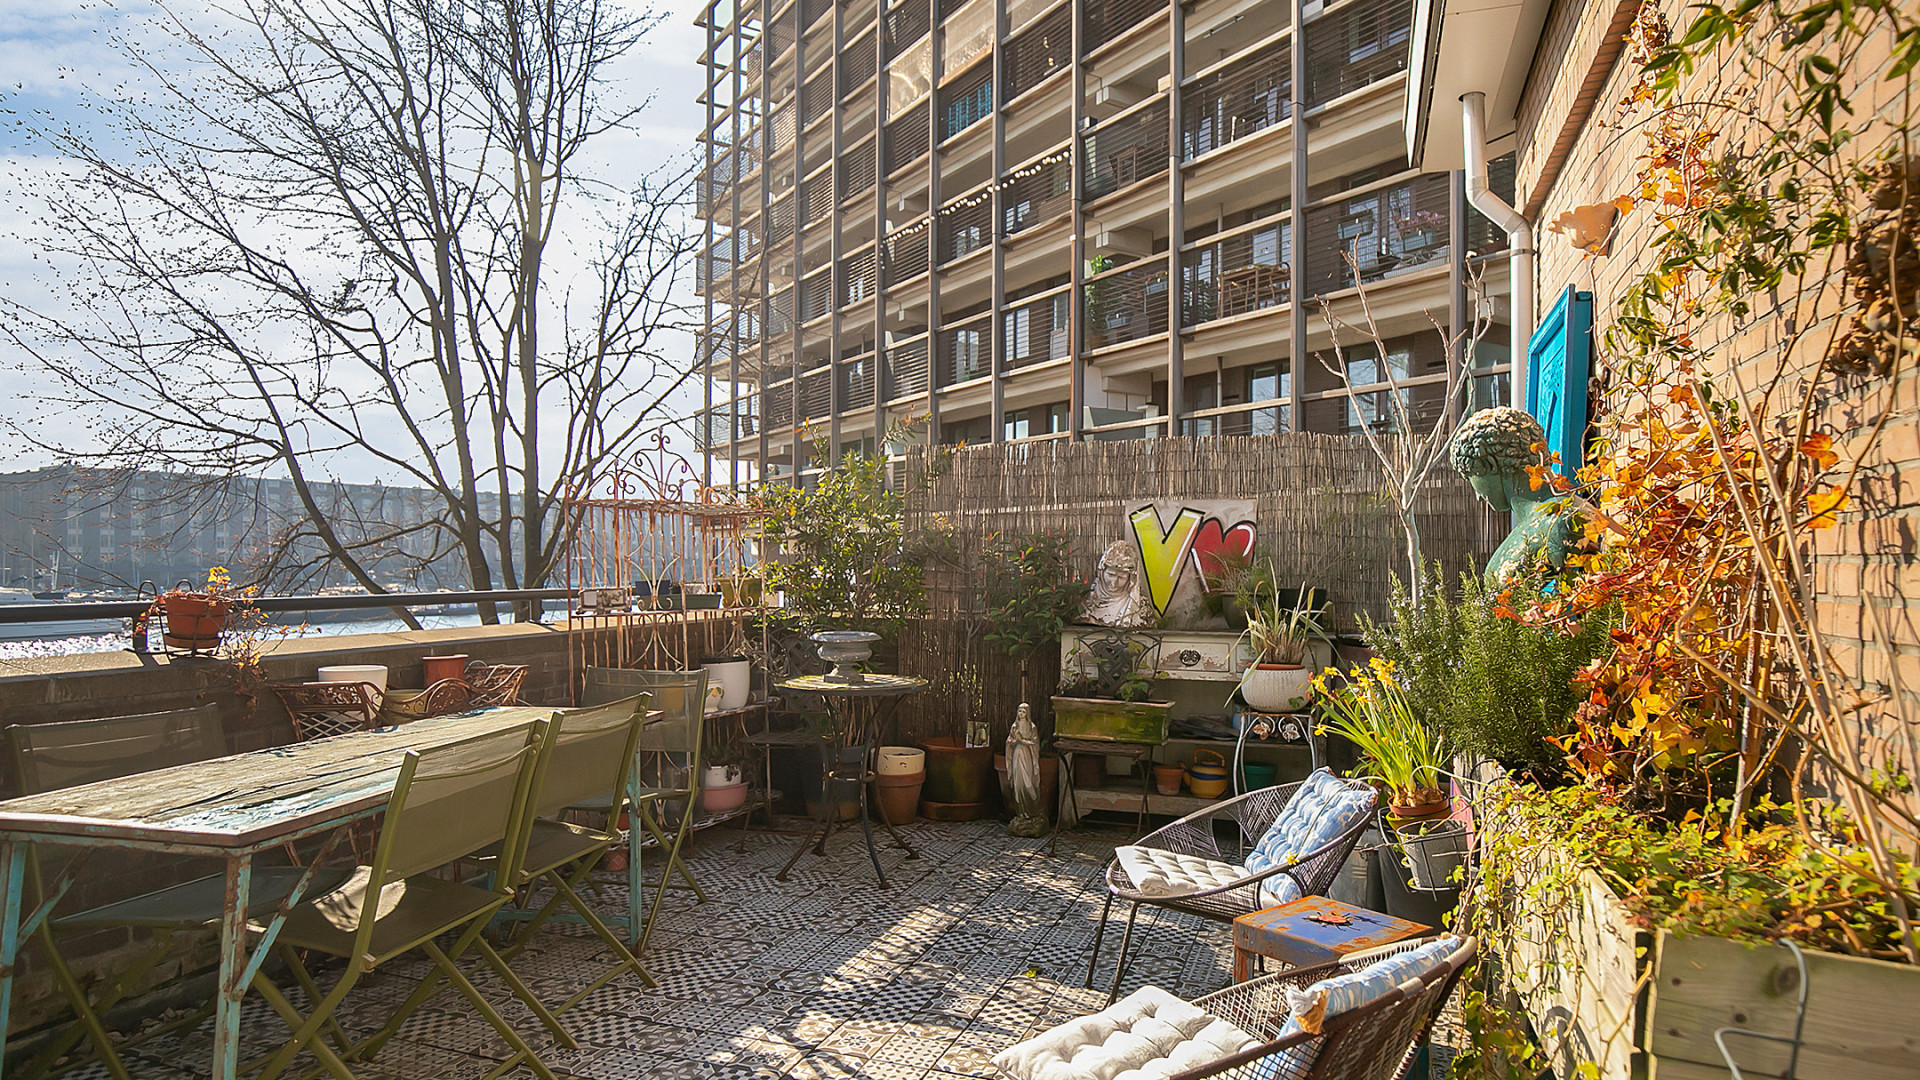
column 1575, row 149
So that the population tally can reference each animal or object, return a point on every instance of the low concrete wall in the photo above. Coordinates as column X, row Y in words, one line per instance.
column 45, row 690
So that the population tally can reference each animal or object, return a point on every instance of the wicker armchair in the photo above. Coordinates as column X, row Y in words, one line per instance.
column 495, row 684
column 1229, row 890
column 322, row 709
column 1377, row 1040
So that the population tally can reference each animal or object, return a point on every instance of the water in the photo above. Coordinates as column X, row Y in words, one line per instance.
column 105, row 643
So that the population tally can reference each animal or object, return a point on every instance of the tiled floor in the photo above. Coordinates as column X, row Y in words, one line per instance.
column 980, row 942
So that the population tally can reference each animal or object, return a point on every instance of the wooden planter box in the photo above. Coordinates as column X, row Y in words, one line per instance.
column 1637, row 1006
column 1111, row 721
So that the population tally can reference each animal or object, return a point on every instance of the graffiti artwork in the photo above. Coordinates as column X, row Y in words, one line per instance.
column 1206, row 537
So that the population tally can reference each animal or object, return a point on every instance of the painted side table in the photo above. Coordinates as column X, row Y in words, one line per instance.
column 1312, row 930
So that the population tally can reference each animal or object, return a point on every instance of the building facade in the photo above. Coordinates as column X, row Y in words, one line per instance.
column 1031, row 220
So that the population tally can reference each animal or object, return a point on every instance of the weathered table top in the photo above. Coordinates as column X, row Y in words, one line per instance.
column 1316, row 929
column 245, row 800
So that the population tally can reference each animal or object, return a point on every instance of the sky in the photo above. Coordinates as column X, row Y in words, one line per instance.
column 53, row 51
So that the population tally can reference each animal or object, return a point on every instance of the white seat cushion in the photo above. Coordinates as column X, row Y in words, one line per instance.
column 1147, row 1035
column 1159, row 872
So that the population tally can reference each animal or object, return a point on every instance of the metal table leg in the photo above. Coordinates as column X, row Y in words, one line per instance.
column 13, row 872
column 233, row 965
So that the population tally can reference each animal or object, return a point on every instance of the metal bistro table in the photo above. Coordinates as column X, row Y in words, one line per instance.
column 845, row 699
column 230, row 808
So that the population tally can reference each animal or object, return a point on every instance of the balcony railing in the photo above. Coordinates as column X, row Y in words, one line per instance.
column 856, row 168
column 859, row 276
column 1241, row 272
column 1037, row 330
column 964, row 350
column 1127, row 303
column 1383, row 230
column 966, row 225
column 1250, row 95
column 966, row 100
column 907, row 137
column 856, row 382
column 780, row 407
column 780, row 220
column 967, row 33
column 907, row 368
column 858, row 63
column 780, row 313
column 816, row 394
column 782, row 128
column 816, row 295
column 816, row 99
column 906, row 254
column 1033, row 56
column 1362, row 43
column 811, row 10
column 905, row 25
column 1107, row 22
column 721, row 426
column 1038, row 192
column 1127, row 149
column 818, row 190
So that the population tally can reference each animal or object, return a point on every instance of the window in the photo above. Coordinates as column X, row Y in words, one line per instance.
column 1017, row 426
column 1057, row 418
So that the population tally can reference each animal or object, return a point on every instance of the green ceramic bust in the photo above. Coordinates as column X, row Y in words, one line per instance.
column 1492, row 450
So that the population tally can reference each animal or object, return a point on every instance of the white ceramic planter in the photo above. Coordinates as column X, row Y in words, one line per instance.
column 733, row 677
column 720, row 776
column 1273, row 688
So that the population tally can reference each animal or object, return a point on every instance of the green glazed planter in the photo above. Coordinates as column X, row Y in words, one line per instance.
column 1111, row 721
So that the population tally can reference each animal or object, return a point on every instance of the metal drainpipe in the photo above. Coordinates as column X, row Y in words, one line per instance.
column 1473, row 116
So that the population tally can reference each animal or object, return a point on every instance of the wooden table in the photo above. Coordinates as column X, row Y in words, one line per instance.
column 1312, row 930
column 230, row 808
column 1249, row 285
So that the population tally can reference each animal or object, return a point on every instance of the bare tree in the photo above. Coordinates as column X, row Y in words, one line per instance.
column 337, row 236
column 1407, row 451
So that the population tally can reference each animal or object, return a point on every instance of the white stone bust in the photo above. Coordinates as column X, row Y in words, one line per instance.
column 1116, row 599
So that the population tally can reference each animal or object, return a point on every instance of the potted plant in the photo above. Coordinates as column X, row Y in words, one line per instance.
column 1279, row 636
column 195, row 619
column 1032, row 592
column 1105, row 690
column 1399, row 752
column 723, row 781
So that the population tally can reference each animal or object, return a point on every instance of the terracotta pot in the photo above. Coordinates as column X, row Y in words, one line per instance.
column 194, row 620
column 444, row 667
column 1166, row 778
column 895, row 797
column 956, row 773
column 1049, row 782
column 1420, row 811
column 719, row 800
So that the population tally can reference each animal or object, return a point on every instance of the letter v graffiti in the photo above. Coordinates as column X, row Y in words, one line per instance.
column 1163, row 551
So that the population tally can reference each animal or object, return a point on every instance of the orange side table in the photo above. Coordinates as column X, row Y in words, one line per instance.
column 1313, row 930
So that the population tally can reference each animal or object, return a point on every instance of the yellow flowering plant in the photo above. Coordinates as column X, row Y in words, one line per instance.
column 1370, row 709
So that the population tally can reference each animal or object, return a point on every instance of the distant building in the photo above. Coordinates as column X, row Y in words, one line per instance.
column 69, row 528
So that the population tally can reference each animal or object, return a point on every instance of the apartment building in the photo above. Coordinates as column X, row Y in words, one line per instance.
column 1028, row 219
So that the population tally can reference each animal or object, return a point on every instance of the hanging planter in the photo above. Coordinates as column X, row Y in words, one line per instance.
column 193, row 621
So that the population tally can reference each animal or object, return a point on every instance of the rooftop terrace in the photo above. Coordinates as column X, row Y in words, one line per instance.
column 981, row 941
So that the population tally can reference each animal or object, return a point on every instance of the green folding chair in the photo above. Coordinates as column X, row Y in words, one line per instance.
column 49, row 757
column 682, row 697
column 448, row 802
column 588, row 751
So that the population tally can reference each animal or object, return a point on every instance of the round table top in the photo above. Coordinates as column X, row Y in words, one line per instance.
column 869, row 686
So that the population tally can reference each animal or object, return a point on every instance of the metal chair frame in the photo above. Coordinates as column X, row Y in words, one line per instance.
column 686, row 718
column 1377, row 1041
column 1252, row 814
column 501, row 759
column 49, row 757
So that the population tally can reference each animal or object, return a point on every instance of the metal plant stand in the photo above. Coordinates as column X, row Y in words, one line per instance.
column 861, row 709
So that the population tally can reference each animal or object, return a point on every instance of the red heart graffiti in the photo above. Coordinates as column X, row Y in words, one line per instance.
column 1214, row 548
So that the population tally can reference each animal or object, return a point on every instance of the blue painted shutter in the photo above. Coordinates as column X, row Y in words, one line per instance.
column 1559, row 358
